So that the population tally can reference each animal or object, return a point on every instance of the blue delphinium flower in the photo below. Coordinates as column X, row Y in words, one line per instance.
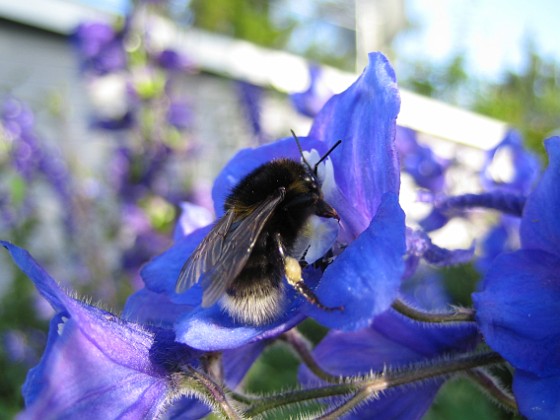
column 426, row 168
column 391, row 341
column 100, row 47
column 250, row 98
column 509, row 168
column 312, row 100
column 32, row 159
column 363, row 188
column 98, row 365
column 518, row 305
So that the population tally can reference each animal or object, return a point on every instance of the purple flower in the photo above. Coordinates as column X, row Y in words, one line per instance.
column 392, row 340
column 100, row 48
column 180, row 115
column 31, row 158
column 102, row 366
column 425, row 167
column 250, row 97
column 310, row 101
column 518, row 305
column 96, row 364
column 84, row 341
column 510, row 166
column 363, row 188
column 172, row 60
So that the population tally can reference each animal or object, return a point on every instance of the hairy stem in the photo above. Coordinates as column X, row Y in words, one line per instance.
column 347, row 405
column 493, row 388
column 505, row 202
column 302, row 348
column 458, row 315
column 209, row 391
column 368, row 386
column 278, row 400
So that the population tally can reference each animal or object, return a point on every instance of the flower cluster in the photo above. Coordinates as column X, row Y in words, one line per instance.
column 169, row 353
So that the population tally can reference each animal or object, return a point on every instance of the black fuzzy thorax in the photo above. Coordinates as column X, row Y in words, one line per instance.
column 265, row 268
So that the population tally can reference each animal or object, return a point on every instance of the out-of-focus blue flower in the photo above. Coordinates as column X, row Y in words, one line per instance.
column 172, row 60
column 100, row 47
column 363, row 188
column 518, row 305
column 425, row 167
column 391, row 341
column 419, row 245
column 312, row 100
column 509, row 168
column 507, row 175
column 122, row 122
column 180, row 115
column 31, row 158
column 251, row 99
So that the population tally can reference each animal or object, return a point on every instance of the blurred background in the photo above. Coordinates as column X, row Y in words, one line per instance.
column 114, row 113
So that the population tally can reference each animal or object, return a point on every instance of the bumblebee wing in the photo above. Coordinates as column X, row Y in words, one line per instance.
column 237, row 248
column 221, row 257
column 205, row 254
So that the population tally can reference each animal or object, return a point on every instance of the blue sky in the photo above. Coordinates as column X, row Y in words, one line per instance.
column 491, row 33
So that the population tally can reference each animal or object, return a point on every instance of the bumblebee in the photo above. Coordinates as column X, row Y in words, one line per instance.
column 243, row 260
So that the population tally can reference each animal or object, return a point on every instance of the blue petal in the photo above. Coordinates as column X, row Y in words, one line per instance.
column 192, row 218
column 210, row 329
column 364, row 118
column 540, row 225
column 84, row 341
column 537, row 398
column 366, row 277
column 45, row 284
column 160, row 274
column 150, row 308
column 517, row 310
column 77, row 377
column 392, row 340
column 238, row 361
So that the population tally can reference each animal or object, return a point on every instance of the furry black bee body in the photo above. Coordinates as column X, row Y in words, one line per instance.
column 242, row 262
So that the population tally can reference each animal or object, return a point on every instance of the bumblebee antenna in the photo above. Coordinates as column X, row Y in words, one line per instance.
column 301, row 152
column 314, row 168
column 325, row 156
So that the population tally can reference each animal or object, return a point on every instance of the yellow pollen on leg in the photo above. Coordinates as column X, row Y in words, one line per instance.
column 293, row 270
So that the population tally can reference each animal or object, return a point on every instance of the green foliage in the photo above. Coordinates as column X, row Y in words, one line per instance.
column 529, row 100
column 25, row 323
column 276, row 369
column 446, row 82
column 460, row 399
column 253, row 20
column 460, row 282
column 244, row 19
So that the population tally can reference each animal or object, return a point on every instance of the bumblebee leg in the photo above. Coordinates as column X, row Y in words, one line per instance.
column 294, row 277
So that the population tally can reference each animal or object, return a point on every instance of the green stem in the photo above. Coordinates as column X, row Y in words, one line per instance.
column 458, row 315
column 369, row 386
column 346, row 406
column 209, row 391
column 302, row 348
column 291, row 397
column 493, row 388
